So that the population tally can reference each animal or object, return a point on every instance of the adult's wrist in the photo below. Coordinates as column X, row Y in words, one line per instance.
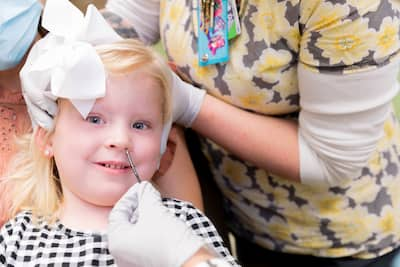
column 200, row 256
column 204, row 258
column 214, row 262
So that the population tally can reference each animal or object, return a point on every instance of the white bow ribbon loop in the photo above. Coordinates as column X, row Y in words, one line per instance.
column 65, row 63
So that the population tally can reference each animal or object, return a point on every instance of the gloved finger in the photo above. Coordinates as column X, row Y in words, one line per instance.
column 40, row 98
column 178, row 107
column 149, row 196
column 125, row 208
column 38, row 115
column 48, row 104
column 164, row 136
column 42, row 101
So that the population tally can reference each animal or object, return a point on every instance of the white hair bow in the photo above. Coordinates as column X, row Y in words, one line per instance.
column 65, row 63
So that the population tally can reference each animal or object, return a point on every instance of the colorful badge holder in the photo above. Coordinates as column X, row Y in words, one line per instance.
column 233, row 20
column 213, row 45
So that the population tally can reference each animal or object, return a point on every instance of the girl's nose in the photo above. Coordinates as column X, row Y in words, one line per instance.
column 118, row 137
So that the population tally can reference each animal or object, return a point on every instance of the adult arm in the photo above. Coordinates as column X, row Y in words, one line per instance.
column 134, row 18
column 347, row 79
column 331, row 142
column 203, row 258
column 269, row 143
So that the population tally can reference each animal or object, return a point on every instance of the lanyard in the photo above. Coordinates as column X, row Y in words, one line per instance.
column 218, row 22
column 212, row 42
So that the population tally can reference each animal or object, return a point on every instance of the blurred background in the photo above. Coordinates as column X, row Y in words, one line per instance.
column 82, row 4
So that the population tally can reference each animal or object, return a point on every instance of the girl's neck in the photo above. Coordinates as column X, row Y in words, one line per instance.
column 82, row 216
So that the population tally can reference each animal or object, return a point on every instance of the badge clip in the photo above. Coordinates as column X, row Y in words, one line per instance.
column 213, row 46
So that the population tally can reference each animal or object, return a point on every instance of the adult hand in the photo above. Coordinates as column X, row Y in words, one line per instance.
column 143, row 232
column 187, row 100
column 41, row 108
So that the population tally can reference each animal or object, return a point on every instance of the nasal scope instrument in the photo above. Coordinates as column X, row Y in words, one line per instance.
column 133, row 167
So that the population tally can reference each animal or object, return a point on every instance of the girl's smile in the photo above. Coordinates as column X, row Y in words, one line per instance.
column 115, row 167
column 129, row 117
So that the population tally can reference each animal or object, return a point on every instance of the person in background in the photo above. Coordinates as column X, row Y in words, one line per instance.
column 19, row 30
column 82, row 4
column 19, row 22
column 14, row 118
column 73, row 168
column 297, row 123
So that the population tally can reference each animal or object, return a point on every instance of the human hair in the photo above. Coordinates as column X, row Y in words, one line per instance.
column 32, row 182
column 130, row 55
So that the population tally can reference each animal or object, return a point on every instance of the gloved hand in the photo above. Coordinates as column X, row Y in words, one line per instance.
column 143, row 232
column 41, row 108
column 187, row 100
column 64, row 61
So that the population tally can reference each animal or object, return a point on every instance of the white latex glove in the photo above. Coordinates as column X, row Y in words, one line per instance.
column 142, row 232
column 41, row 108
column 187, row 100
column 64, row 61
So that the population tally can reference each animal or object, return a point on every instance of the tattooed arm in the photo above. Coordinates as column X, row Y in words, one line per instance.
column 121, row 26
column 134, row 18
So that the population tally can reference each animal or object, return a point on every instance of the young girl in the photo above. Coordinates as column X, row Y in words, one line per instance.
column 73, row 168
column 20, row 29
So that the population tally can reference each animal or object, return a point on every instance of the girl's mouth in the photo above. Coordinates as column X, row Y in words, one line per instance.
column 114, row 165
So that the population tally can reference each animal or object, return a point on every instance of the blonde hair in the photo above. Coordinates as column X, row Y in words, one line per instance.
column 32, row 182
column 130, row 55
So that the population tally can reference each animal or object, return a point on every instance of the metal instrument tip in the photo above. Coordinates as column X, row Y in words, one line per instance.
column 133, row 167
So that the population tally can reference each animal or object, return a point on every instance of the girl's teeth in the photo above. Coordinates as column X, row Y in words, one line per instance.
column 113, row 166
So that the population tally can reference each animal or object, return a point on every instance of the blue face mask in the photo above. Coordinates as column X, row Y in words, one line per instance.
column 19, row 20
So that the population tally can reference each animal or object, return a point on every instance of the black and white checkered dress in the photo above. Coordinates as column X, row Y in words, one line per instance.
column 24, row 244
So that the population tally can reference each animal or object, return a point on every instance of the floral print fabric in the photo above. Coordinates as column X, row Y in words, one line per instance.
column 360, row 218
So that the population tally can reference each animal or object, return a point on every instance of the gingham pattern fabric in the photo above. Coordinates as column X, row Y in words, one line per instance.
column 24, row 244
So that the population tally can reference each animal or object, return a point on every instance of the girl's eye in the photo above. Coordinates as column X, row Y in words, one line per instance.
column 139, row 125
column 95, row 119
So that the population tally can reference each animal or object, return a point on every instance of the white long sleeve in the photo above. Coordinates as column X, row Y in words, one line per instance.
column 341, row 121
column 142, row 14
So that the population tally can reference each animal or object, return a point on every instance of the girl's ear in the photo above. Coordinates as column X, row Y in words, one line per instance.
column 169, row 154
column 43, row 142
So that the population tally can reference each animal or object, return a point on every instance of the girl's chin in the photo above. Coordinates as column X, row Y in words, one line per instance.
column 109, row 195
column 108, row 199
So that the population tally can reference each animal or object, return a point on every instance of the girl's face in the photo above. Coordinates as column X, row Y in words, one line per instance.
column 90, row 153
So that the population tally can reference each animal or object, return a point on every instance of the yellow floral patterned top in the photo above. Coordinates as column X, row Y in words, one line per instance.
column 360, row 218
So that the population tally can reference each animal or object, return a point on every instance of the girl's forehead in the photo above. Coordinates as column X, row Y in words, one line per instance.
column 133, row 88
column 135, row 81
